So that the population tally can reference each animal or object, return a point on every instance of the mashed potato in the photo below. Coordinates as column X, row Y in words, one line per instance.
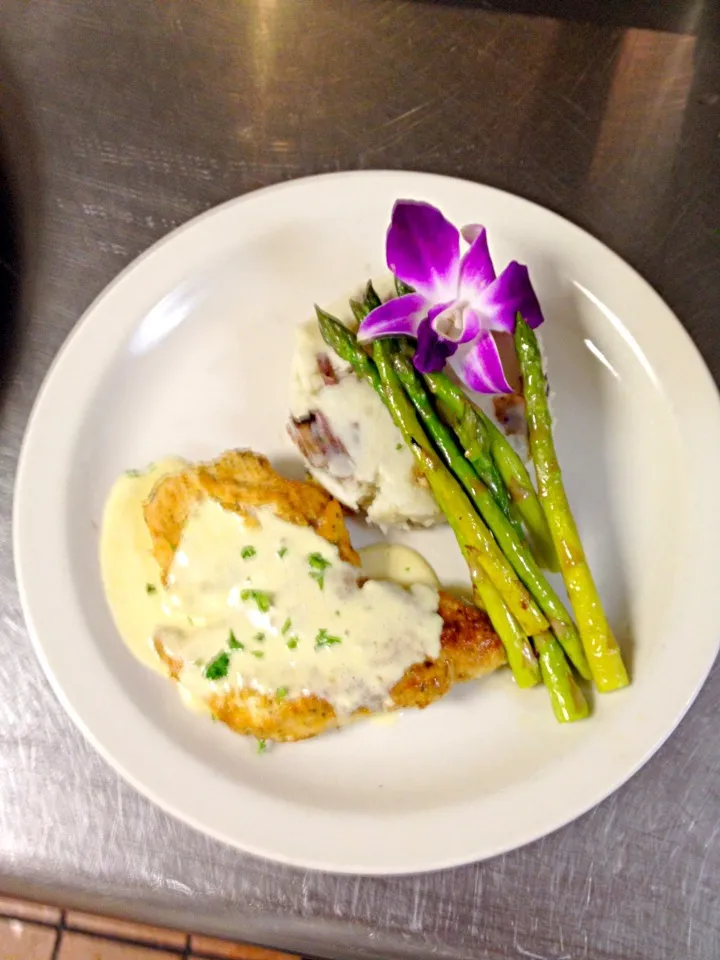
column 348, row 440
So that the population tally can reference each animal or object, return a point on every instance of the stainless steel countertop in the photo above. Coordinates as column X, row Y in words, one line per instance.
column 120, row 119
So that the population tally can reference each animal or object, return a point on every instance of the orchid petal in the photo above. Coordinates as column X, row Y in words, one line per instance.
column 479, row 366
column 396, row 318
column 423, row 250
column 510, row 294
column 476, row 268
column 432, row 351
column 444, row 319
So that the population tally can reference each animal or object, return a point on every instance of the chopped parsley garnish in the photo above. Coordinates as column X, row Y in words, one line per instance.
column 133, row 473
column 218, row 667
column 287, row 626
column 258, row 597
column 150, row 588
column 318, row 566
column 262, row 746
column 282, row 551
column 259, row 637
column 258, row 654
column 247, row 553
column 198, row 662
column 234, row 643
column 292, row 643
column 281, row 693
column 398, row 446
column 325, row 639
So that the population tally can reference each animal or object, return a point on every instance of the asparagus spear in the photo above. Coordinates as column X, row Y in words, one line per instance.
column 509, row 464
column 345, row 345
column 514, row 548
column 475, row 541
column 517, row 479
column 479, row 435
column 566, row 697
column 473, row 437
column 521, row 659
column 372, row 300
column 359, row 311
column 603, row 653
column 466, row 524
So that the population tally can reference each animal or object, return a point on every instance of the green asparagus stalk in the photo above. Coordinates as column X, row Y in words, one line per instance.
column 359, row 311
column 508, row 462
column 473, row 437
column 372, row 300
column 485, row 561
column 521, row 659
column 567, row 699
column 345, row 345
column 514, row 548
column 464, row 521
column 603, row 653
column 517, row 480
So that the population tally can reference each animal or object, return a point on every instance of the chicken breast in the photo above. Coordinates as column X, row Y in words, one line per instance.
column 241, row 482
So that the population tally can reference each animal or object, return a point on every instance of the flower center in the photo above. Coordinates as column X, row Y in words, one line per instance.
column 450, row 324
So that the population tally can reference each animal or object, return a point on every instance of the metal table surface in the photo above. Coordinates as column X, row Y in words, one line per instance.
column 120, row 119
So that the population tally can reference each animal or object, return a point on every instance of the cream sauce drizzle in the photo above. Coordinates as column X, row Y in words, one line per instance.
column 376, row 471
column 130, row 573
column 244, row 605
column 396, row 562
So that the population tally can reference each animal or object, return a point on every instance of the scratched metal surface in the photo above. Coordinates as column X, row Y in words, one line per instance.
column 119, row 119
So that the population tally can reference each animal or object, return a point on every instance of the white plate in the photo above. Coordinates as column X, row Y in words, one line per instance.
column 188, row 352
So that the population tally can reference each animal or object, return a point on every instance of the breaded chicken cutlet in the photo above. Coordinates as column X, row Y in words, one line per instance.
column 242, row 481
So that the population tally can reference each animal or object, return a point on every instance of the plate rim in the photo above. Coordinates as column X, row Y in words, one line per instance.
column 50, row 383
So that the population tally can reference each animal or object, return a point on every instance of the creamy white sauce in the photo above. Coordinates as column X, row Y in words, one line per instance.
column 130, row 573
column 394, row 561
column 270, row 606
column 377, row 473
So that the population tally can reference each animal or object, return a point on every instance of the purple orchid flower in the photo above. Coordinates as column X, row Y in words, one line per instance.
column 458, row 300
